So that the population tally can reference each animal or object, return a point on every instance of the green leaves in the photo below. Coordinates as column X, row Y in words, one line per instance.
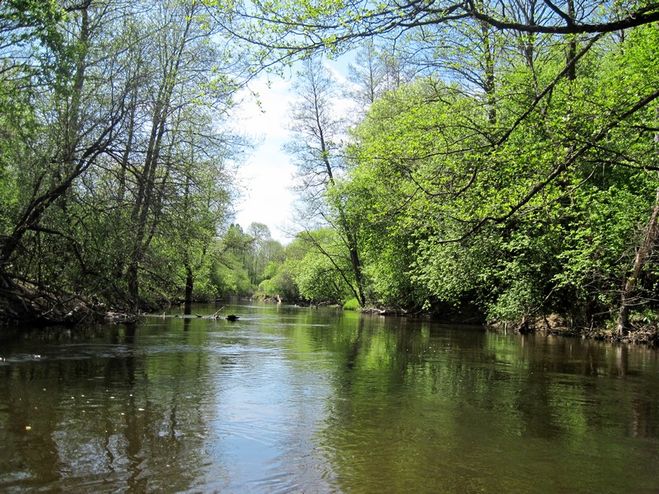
column 526, row 216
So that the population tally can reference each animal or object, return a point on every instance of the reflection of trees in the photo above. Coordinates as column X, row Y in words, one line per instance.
column 107, row 412
column 385, row 424
column 424, row 409
column 399, row 406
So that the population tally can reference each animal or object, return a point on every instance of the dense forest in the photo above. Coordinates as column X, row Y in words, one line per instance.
column 501, row 163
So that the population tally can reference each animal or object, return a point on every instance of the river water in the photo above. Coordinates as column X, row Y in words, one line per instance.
column 301, row 400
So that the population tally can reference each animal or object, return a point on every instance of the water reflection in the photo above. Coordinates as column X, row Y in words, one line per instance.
column 290, row 399
column 86, row 414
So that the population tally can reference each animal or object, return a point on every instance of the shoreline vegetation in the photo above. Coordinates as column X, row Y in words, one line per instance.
column 46, row 311
column 491, row 162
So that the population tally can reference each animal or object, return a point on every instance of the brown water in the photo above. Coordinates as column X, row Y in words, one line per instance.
column 302, row 400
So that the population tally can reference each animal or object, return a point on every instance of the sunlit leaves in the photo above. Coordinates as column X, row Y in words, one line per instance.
column 447, row 191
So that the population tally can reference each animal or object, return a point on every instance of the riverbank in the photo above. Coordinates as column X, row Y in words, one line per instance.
column 23, row 303
column 641, row 332
column 643, row 335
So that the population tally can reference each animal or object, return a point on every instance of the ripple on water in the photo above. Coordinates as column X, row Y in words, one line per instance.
column 320, row 403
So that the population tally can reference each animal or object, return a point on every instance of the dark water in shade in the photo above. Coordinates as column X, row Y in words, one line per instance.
column 301, row 400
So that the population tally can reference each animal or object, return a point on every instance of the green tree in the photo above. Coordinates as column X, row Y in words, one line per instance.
column 113, row 162
column 498, row 226
column 316, row 146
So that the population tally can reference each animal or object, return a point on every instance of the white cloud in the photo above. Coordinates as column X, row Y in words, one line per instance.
column 267, row 196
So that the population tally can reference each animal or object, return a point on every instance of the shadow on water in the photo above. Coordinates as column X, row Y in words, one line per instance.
column 296, row 399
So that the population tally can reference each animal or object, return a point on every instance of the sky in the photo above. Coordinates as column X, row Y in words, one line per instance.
column 265, row 174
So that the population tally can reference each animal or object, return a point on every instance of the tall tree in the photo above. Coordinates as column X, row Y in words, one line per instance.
column 72, row 124
column 186, row 72
column 316, row 147
column 116, row 131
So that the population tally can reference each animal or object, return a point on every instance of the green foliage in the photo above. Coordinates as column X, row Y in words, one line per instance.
column 317, row 281
column 251, row 262
column 449, row 217
column 280, row 281
column 322, row 274
column 309, row 270
column 113, row 176
column 515, row 183
column 33, row 26
column 230, row 277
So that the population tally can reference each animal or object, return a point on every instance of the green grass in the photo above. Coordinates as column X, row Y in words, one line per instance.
column 351, row 304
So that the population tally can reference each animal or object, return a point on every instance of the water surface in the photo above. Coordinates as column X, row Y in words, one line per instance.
column 302, row 400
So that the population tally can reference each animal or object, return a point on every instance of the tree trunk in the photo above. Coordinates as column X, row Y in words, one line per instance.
column 490, row 83
column 133, row 284
column 572, row 43
column 359, row 278
column 628, row 298
column 189, row 285
column 145, row 195
column 189, row 278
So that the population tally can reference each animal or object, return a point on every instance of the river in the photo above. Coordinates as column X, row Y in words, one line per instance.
column 294, row 399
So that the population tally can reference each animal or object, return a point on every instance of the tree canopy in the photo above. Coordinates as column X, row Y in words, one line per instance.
column 502, row 159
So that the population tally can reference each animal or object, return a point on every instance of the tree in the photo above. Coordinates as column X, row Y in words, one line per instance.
column 122, row 181
column 198, row 165
column 263, row 251
column 526, row 229
column 70, row 128
column 316, row 148
column 377, row 69
column 75, row 155
column 170, row 51
column 290, row 28
column 330, row 26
